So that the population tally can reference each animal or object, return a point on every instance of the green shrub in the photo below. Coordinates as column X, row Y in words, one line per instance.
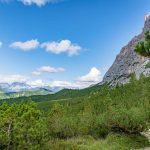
column 147, row 65
column 143, row 48
column 133, row 121
column 126, row 142
column 100, row 128
column 22, row 127
column 112, row 142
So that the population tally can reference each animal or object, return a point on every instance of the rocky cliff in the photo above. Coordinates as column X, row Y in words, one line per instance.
column 128, row 62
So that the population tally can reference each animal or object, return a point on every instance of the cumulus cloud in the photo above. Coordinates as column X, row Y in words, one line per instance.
column 25, row 46
column 36, row 83
column 47, row 69
column 13, row 78
column 92, row 77
column 64, row 46
column 58, row 84
column 69, row 85
column 38, row 3
column 22, row 79
column 62, row 84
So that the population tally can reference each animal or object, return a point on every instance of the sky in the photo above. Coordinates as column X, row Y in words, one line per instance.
column 66, row 43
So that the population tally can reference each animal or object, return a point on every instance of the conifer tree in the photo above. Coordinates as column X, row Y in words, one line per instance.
column 143, row 48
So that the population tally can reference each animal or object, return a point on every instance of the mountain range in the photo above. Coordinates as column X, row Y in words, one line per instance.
column 17, row 89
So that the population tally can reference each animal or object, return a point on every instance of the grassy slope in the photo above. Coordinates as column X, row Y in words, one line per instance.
column 113, row 141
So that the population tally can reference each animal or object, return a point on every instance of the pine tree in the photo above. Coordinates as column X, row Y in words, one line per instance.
column 143, row 48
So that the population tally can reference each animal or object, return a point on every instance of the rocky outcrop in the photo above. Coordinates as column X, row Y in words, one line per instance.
column 128, row 62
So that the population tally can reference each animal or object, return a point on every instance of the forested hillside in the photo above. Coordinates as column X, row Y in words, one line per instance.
column 103, row 118
column 63, row 94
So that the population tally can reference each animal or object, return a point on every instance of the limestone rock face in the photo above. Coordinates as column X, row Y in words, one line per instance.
column 128, row 62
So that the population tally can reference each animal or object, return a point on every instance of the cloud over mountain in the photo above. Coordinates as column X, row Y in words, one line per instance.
column 36, row 83
column 93, row 76
column 47, row 69
column 13, row 78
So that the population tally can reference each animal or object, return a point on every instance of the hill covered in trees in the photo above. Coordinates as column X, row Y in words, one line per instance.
column 101, row 118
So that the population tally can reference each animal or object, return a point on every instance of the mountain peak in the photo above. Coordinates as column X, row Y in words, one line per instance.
column 128, row 62
column 147, row 22
column 147, row 17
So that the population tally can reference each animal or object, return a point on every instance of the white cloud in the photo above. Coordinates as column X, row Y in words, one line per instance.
column 66, row 84
column 70, row 85
column 47, row 69
column 38, row 3
column 36, row 83
column 93, row 76
column 12, row 78
column 64, row 46
column 1, row 44
column 62, row 84
column 22, row 79
column 58, row 84
column 25, row 46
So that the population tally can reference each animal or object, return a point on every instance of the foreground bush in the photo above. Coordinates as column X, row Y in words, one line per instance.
column 132, row 121
column 22, row 127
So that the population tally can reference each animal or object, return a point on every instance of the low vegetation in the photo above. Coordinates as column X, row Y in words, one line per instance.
column 143, row 48
column 147, row 65
column 101, row 118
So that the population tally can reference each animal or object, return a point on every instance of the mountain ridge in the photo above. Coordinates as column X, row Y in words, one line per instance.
column 19, row 89
column 128, row 61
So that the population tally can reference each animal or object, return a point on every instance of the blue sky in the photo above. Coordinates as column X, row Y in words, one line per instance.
column 68, row 42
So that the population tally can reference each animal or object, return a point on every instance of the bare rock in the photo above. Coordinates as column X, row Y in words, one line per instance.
column 128, row 62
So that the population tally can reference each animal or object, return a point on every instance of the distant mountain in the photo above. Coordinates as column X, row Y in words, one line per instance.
column 64, row 94
column 18, row 89
column 128, row 62
column 4, row 86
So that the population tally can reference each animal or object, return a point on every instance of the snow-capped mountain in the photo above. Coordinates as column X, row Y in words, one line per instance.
column 14, row 87
column 4, row 86
column 20, row 87
column 17, row 89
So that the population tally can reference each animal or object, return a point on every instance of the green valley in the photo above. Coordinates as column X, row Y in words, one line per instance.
column 98, row 115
